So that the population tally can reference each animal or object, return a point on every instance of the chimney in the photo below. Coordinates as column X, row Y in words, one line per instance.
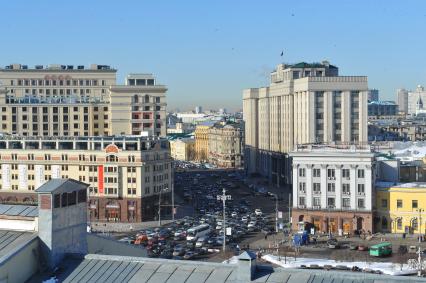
column 62, row 223
column 246, row 266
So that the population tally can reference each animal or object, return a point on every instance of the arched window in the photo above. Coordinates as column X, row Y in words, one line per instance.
column 112, row 158
column 399, row 223
column 414, row 224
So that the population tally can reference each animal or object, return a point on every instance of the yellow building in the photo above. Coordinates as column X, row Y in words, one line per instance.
column 202, row 142
column 400, row 209
column 183, row 149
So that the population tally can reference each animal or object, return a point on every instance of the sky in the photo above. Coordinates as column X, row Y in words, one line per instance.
column 207, row 52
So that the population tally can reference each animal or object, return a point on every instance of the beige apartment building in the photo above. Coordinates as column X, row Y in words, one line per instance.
column 183, row 149
column 202, row 142
column 125, row 174
column 225, row 145
column 139, row 106
column 67, row 100
column 305, row 103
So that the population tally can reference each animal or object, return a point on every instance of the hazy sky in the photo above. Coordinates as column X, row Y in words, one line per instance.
column 206, row 52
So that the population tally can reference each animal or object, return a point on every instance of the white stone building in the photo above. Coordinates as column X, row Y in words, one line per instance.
column 333, row 187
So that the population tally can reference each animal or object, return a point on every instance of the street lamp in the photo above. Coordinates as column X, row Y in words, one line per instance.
column 224, row 197
column 159, row 205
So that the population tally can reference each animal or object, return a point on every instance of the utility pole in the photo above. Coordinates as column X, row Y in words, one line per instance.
column 224, row 197
column 276, row 213
column 289, row 208
column 173, row 201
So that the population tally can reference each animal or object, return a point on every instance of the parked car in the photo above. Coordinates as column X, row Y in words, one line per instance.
column 333, row 244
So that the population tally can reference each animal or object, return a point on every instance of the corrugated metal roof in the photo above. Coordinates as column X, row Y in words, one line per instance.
column 99, row 268
column 10, row 240
column 19, row 210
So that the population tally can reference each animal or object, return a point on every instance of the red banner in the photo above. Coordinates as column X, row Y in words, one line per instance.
column 101, row 179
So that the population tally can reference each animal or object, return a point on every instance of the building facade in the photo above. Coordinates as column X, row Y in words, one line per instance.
column 400, row 208
column 63, row 100
column 402, row 100
column 225, row 145
column 125, row 174
column 202, row 142
column 416, row 100
column 305, row 103
column 333, row 188
column 183, row 149
column 373, row 95
column 139, row 106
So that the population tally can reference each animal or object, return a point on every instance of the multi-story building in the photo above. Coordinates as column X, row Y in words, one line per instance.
column 402, row 100
column 225, row 145
column 382, row 108
column 60, row 100
column 416, row 100
column 333, row 188
column 125, row 174
column 183, row 149
column 400, row 208
column 202, row 141
column 139, row 106
column 305, row 103
column 373, row 95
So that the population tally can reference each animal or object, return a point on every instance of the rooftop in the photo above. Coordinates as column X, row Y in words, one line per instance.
column 305, row 65
column 12, row 240
column 100, row 268
column 19, row 210
column 61, row 186
column 57, row 67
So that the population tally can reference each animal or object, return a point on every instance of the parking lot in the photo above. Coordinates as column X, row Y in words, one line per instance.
column 249, row 215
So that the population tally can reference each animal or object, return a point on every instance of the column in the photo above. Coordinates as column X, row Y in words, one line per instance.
column 338, row 186
column 323, row 186
column 353, row 185
column 309, row 185
column 346, row 116
column 295, row 184
column 368, row 187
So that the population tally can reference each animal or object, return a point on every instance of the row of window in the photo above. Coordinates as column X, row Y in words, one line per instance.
column 331, row 202
column 54, row 82
column 54, row 110
column 331, row 173
column 400, row 203
column 331, row 188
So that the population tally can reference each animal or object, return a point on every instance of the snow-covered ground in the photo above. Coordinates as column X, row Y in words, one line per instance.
column 385, row 267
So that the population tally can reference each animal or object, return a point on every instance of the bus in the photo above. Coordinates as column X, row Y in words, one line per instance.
column 196, row 232
column 382, row 249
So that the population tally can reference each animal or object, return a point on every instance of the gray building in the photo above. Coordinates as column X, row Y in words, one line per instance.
column 382, row 108
column 373, row 94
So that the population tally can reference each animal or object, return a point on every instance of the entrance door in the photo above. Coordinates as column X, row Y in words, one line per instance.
column 346, row 226
column 333, row 225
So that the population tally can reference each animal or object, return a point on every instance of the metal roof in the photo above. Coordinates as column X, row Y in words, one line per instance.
column 19, row 210
column 11, row 240
column 100, row 268
column 61, row 186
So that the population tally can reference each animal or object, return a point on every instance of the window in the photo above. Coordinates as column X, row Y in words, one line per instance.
column 330, row 173
column 317, row 188
column 346, row 189
column 331, row 202
column 346, row 202
column 360, row 173
column 302, row 201
column 361, row 203
column 345, row 173
column 316, row 201
column 361, row 189
column 301, row 172
column 302, row 187
column 317, row 172
column 384, row 203
column 414, row 203
column 331, row 187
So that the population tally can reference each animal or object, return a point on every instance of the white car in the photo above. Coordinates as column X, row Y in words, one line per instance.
column 251, row 224
column 234, row 214
column 258, row 212
column 244, row 219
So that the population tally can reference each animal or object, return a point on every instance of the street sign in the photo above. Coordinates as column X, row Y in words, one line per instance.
column 228, row 231
column 280, row 214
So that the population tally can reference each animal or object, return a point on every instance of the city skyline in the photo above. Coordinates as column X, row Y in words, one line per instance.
column 231, row 47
